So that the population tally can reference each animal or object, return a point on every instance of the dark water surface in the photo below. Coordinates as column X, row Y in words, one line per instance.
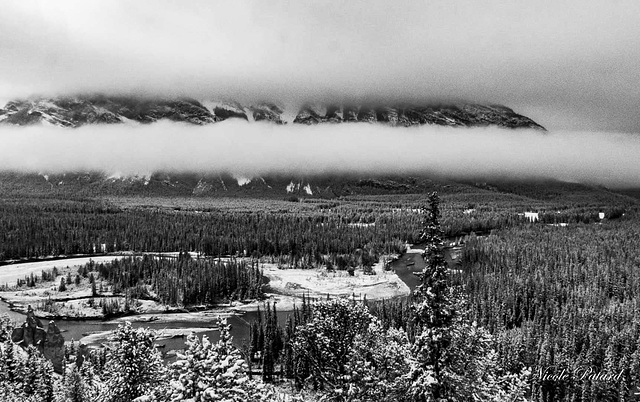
column 411, row 263
column 76, row 329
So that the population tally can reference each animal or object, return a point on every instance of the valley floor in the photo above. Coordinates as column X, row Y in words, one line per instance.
column 286, row 287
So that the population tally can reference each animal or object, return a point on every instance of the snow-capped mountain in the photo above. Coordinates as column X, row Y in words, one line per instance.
column 79, row 111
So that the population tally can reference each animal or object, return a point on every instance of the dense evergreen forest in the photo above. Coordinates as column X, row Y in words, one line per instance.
column 35, row 230
column 559, row 301
column 567, row 298
column 300, row 232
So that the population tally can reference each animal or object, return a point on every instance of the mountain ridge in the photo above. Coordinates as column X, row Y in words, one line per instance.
column 79, row 111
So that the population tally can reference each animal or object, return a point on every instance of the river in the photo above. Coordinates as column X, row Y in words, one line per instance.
column 405, row 267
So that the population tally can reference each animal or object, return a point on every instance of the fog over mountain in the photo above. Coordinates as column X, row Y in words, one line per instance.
column 253, row 149
column 567, row 65
column 99, row 109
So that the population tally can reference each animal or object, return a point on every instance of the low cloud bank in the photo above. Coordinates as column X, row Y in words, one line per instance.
column 250, row 149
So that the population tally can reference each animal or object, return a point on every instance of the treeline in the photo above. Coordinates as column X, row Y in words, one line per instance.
column 183, row 280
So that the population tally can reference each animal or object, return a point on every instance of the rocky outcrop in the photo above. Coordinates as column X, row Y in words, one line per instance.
column 228, row 110
column 267, row 112
column 50, row 342
column 310, row 114
column 461, row 114
column 75, row 112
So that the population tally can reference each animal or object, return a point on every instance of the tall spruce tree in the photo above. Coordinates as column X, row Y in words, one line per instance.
column 11, row 367
column 435, row 307
column 135, row 366
column 453, row 359
column 45, row 381
column 74, row 386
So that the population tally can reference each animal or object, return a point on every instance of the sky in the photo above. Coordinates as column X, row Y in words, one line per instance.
column 569, row 65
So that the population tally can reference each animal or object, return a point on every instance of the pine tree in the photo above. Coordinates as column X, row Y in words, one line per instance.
column 209, row 371
column 287, row 360
column 45, row 381
column 10, row 362
column 135, row 366
column 452, row 358
column 74, row 386
column 268, row 358
column 436, row 307
column 434, row 310
column 92, row 280
column 30, row 372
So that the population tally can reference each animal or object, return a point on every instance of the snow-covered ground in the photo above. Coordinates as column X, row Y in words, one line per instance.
column 9, row 274
column 318, row 282
column 286, row 287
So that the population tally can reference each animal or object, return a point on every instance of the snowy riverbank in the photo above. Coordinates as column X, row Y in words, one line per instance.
column 285, row 287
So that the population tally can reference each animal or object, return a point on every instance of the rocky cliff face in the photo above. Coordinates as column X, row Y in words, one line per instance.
column 460, row 114
column 50, row 342
column 79, row 111
column 74, row 112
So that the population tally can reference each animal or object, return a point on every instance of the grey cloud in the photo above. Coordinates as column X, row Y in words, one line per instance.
column 250, row 149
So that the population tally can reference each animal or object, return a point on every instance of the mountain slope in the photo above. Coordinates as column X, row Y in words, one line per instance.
column 293, row 187
column 79, row 111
